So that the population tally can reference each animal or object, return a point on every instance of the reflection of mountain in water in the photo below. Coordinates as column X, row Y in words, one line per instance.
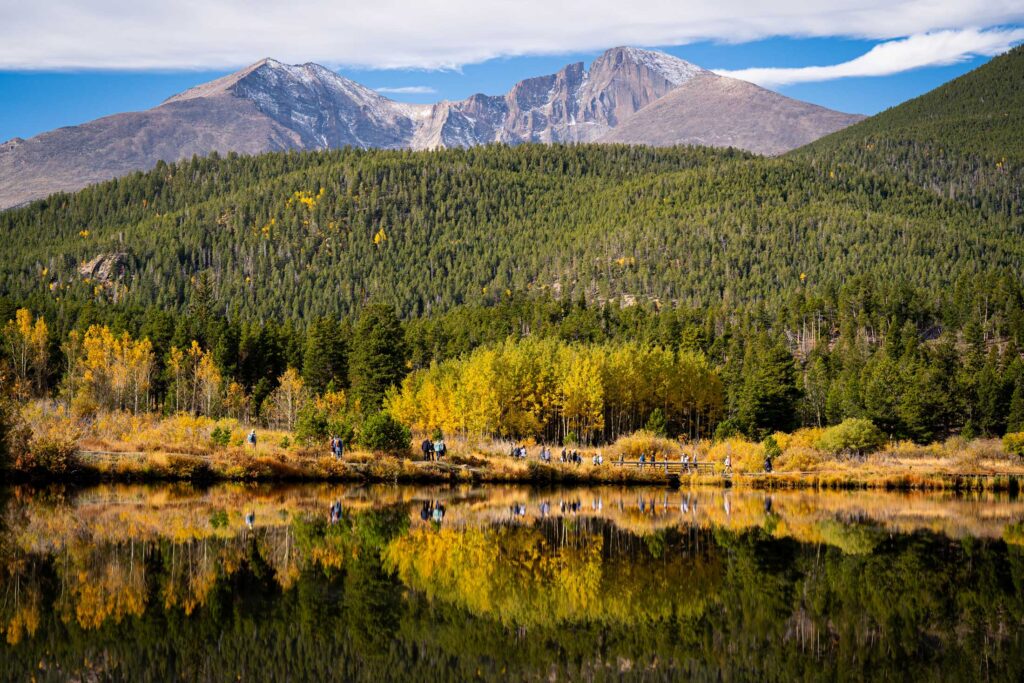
column 110, row 583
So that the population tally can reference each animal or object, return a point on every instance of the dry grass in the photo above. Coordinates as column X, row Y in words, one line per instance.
column 125, row 446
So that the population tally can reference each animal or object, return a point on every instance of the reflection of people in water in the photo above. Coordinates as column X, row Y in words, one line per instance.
column 250, row 519
column 425, row 511
column 335, row 512
column 438, row 513
column 768, row 505
column 545, row 509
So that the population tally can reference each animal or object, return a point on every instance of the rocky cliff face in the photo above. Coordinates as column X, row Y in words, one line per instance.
column 628, row 95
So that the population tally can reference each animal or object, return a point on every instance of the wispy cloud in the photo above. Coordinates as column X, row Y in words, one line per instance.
column 929, row 49
column 409, row 90
column 431, row 34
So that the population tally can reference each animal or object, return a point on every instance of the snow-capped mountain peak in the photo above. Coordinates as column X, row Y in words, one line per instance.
column 673, row 69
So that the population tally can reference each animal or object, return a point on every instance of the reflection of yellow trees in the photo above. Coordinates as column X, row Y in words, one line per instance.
column 100, row 584
column 514, row 574
column 21, row 606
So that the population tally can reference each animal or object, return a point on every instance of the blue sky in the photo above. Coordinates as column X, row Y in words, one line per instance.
column 65, row 62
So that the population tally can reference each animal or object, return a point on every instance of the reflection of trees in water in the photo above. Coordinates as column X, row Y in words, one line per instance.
column 370, row 598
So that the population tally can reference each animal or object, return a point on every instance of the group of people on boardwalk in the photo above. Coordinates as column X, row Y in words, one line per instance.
column 434, row 450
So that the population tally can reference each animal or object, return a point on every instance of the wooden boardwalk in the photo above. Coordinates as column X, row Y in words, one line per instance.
column 671, row 466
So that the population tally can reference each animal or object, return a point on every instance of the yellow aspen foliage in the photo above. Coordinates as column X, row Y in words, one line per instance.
column 108, row 371
column 284, row 403
column 547, row 389
column 26, row 341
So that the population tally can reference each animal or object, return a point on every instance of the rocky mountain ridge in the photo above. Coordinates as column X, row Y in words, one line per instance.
column 272, row 106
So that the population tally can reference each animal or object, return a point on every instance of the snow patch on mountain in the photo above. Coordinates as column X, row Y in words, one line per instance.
column 674, row 70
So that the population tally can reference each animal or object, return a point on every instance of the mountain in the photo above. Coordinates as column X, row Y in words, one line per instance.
column 272, row 106
column 963, row 140
column 717, row 111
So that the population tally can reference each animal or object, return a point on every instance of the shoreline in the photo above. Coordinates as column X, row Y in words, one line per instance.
column 112, row 467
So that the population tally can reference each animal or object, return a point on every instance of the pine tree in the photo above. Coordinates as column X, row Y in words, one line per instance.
column 378, row 359
column 1015, row 418
column 769, row 394
column 325, row 358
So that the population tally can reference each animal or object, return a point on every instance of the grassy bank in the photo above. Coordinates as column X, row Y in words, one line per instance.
column 54, row 446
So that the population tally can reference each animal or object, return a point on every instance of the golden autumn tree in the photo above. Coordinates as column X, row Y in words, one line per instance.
column 108, row 371
column 282, row 407
column 26, row 341
column 196, row 380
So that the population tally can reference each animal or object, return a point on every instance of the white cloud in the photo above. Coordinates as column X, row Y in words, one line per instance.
column 409, row 90
column 929, row 49
column 146, row 34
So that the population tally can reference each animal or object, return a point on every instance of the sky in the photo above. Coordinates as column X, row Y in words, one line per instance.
column 64, row 62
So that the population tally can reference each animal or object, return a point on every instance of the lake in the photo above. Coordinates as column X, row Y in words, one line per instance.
column 324, row 582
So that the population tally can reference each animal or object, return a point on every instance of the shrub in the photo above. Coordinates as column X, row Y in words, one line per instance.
column 321, row 419
column 48, row 455
column 799, row 459
column 632, row 445
column 656, row 423
column 854, row 436
column 221, row 436
column 771, row 448
column 384, row 434
column 746, row 456
column 1014, row 443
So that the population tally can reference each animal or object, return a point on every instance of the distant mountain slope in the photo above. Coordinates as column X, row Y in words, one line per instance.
column 304, row 234
column 271, row 106
column 964, row 139
column 725, row 112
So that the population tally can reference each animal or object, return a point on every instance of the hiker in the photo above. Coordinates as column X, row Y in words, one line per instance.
column 562, row 457
column 654, row 459
column 428, row 449
column 438, row 449
column 768, row 464
column 728, row 464
column 643, row 460
column 252, row 439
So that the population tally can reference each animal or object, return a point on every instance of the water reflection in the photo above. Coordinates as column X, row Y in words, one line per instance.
column 375, row 583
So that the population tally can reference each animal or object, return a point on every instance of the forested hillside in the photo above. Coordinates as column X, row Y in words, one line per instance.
column 304, row 235
column 750, row 294
column 964, row 140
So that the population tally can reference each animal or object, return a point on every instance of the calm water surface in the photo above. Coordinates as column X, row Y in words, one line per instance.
column 235, row 582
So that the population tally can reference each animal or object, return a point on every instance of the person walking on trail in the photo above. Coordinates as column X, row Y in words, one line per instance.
column 428, row 449
column 252, row 439
column 439, row 449
column 728, row 464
